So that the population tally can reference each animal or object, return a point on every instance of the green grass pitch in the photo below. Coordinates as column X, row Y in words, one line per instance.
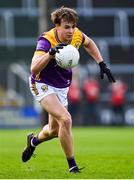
column 106, row 153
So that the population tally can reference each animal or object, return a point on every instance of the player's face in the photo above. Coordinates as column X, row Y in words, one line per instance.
column 65, row 31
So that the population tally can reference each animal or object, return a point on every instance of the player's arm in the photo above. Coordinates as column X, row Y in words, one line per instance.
column 40, row 61
column 43, row 55
column 93, row 50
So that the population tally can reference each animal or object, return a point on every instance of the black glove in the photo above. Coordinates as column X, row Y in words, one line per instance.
column 105, row 70
column 54, row 50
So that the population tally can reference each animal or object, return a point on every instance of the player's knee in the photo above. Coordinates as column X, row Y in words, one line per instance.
column 66, row 120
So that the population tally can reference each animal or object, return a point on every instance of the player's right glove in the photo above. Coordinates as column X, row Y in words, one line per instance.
column 105, row 70
column 54, row 50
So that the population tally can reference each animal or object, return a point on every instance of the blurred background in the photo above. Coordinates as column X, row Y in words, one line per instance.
column 91, row 101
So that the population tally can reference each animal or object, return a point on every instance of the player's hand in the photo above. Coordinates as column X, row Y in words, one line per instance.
column 54, row 50
column 105, row 70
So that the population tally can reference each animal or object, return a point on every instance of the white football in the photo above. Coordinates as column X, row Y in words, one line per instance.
column 67, row 57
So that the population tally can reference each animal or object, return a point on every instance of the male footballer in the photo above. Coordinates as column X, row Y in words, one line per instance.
column 49, row 83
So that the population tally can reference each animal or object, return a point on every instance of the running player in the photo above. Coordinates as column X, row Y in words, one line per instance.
column 49, row 83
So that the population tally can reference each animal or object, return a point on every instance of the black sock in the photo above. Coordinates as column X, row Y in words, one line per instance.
column 35, row 141
column 71, row 162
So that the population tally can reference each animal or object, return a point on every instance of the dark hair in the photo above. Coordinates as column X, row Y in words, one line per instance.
column 67, row 14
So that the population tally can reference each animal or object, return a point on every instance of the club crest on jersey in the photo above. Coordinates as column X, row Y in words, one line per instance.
column 44, row 88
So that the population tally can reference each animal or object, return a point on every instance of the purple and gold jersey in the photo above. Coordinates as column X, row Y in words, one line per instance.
column 52, row 74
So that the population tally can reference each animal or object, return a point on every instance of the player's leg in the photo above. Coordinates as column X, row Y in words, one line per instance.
column 39, row 91
column 54, row 107
column 48, row 132
column 52, row 104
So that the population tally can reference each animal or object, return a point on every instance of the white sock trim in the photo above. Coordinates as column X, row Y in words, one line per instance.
column 32, row 143
column 72, row 168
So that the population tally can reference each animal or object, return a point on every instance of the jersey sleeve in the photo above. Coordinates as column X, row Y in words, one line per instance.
column 43, row 45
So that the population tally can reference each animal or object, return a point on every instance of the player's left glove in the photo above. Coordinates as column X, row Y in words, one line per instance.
column 105, row 70
column 54, row 50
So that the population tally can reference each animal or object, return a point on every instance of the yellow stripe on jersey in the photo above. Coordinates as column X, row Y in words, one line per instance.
column 50, row 36
column 39, row 52
column 77, row 38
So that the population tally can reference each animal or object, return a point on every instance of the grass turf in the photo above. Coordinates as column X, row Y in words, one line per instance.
column 106, row 153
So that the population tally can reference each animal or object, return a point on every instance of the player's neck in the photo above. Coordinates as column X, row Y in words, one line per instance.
column 60, row 39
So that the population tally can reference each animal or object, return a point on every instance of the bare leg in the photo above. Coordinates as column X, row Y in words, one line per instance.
column 50, row 130
column 66, row 139
column 53, row 106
